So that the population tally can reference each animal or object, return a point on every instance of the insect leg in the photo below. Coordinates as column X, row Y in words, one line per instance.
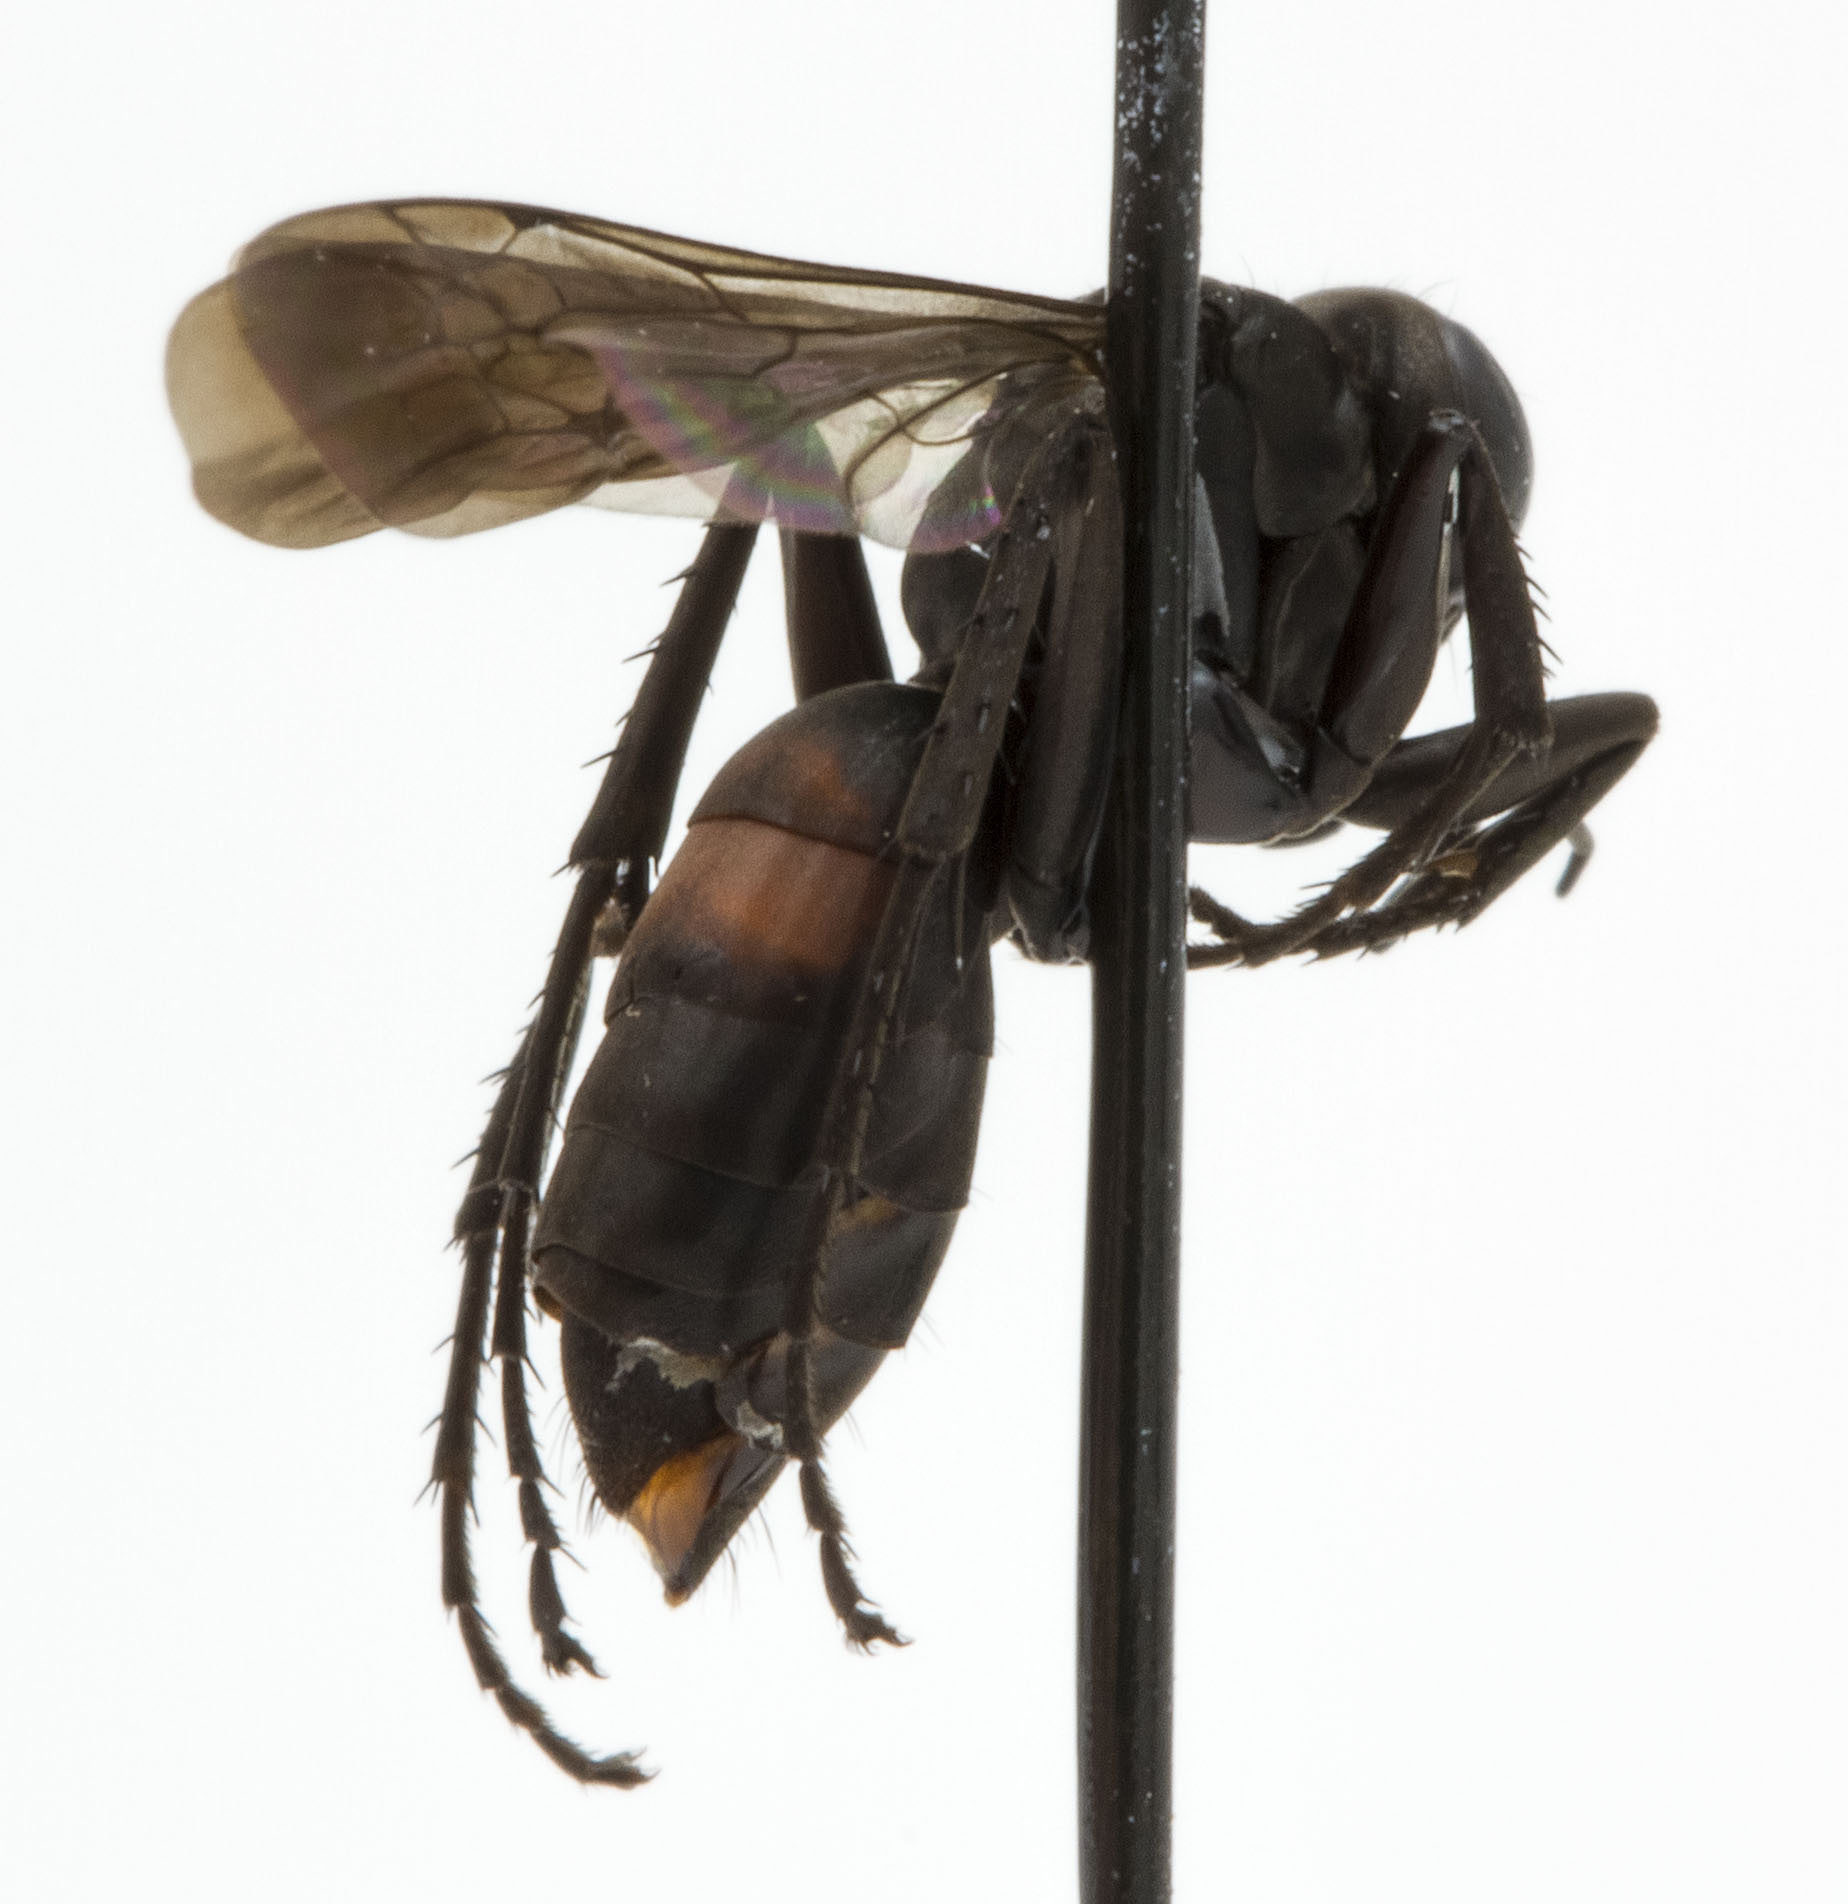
column 626, row 827
column 835, row 639
column 1512, row 717
column 1064, row 766
column 1534, row 805
column 619, row 841
column 937, row 825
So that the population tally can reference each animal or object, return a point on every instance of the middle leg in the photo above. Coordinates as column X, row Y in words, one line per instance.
column 936, row 829
column 835, row 640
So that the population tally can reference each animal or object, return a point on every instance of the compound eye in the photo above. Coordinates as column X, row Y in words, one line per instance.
column 1406, row 361
column 1488, row 399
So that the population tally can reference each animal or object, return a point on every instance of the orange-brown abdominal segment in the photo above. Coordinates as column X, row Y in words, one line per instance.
column 775, row 902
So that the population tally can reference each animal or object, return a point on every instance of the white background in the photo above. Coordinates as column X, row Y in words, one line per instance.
column 1512, row 1564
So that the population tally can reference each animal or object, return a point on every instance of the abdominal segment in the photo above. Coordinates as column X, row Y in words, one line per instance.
column 674, row 1221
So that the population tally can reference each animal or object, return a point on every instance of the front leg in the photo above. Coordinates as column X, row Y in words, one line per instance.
column 1380, row 674
column 1531, row 808
column 1351, row 635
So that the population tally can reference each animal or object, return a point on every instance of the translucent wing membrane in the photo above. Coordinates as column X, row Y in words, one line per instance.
column 445, row 366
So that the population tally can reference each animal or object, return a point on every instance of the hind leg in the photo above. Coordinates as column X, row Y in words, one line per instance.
column 613, row 853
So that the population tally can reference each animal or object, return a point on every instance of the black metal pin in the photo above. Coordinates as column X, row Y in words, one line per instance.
column 1132, row 1267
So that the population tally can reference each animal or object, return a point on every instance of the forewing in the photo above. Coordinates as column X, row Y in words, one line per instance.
column 446, row 366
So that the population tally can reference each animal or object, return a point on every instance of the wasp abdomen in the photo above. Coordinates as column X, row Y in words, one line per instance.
column 687, row 1181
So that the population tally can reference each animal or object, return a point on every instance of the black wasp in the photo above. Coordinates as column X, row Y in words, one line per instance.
column 762, row 1169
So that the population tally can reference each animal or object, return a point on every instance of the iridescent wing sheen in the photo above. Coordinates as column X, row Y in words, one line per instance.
column 445, row 366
